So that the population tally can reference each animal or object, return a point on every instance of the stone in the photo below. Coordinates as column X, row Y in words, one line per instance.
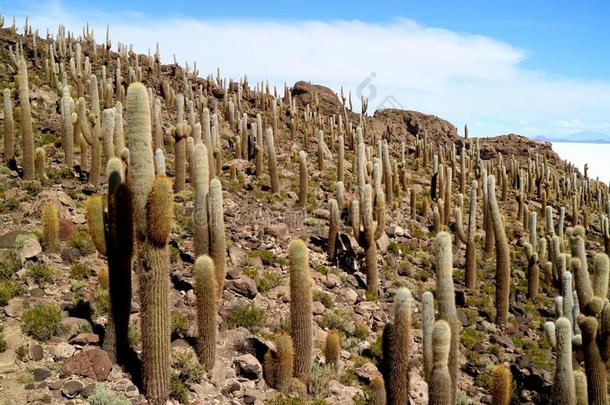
column 36, row 352
column 88, row 390
column 253, row 396
column 69, row 254
column 41, row 374
column 248, row 366
column 317, row 308
column 37, row 292
column 321, row 213
column 237, row 255
column 71, row 326
column 93, row 363
column 63, row 350
column 85, row 339
column 244, row 285
column 57, row 384
column 383, row 242
column 418, row 389
column 31, row 248
column 367, row 372
column 67, row 229
column 331, row 280
column 72, row 388
column 7, row 240
column 348, row 295
column 279, row 230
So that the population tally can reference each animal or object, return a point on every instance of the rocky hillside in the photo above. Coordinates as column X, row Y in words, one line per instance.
column 347, row 252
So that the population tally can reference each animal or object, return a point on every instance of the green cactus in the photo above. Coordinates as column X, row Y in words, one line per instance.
column 201, row 231
column 398, row 349
column 218, row 244
column 8, row 127
column 27, row 137
column 377, row 387
column 40, row 161
column 446, row 299
column 340, row 159
column 303, row 179
column 580, row 384
column 502, row 254
column 440, row 388
column 50, row 228
column 333, row 229
column 273, row 173
column 181, row 132
column 283, row 364
column 427, row 329
column 207, row 301
column 332, row 348
column 563, row 387
column 502, row 385
column 68, row 119
column 470, row 273
column 300, row 308
column 595, row 368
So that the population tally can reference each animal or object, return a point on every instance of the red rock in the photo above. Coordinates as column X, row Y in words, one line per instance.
column 85, row 338
column 66, row 229
column 93, row 363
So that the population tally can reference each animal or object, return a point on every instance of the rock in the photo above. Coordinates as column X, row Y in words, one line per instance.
column 343, row 392
column 317, row 308
column 418, row 389
column 57, row 384
column 331, row 280
column 41, row 374
column 69, row 254
column 383, row 242
column 31, row 248
column 244, row 285
column 36, row 352
column 93, row 363
column 321, row 213
column 67, row 229
column 71, row 326
column 63, row 350
column 367, row 372
column 7, row 240
column 72, row 388
column 248, row 366
column 348, row 295
column 85, row 339
column 237, row 255
column 278, row 230
column 88, row 390
column 253, row 396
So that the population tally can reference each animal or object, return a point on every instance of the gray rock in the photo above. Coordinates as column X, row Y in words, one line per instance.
column 31, row 248
column 72, row 388
column 244, row 286
column 63, row 350
column 41, row 374
column 253, row 396
column 248, row 366
column 36, row 352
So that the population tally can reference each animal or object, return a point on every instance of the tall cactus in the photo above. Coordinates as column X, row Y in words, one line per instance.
column 563, row 387
column 205, row 291
column 332, row 348
column 50, row 228
column 440, row 388
column 303, row 179
column 300, row 308
column 446, row 298
column 398, row 349
column 283, row 368
column 27, row 137
column 218, row 243
column 333, row 229
column 201, row 231
column 471, row 249
column 8, row 128
column 502, row 254
column 502, row 385
column 427, row 313
column 273, row 173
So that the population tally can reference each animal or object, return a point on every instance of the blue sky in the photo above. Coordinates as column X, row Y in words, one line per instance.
column 534, row 67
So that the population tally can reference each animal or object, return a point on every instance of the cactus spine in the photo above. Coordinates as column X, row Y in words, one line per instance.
column 300, row 308
column 428, row 330
column 303, row 179
column 440, row 389
column 50, row 228
column 273, row 174
column 201, row 231
column 471, row 249
column 333, row 229
column 446, row 297
column 377, row 387
column 205, row 291
column 563, row 387
column 27, row 137
column 580, row 384
column 502, row 254
column 332, row 348
column 218, row 244
column 283, row 365
column 397, row 351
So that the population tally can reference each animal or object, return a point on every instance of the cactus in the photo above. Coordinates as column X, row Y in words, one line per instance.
column 502, row 254
column 218, row 244
column 333, row 229
column 428, row 329
column 440, row 388
column 502, row 385
column 180, row 133
column 370, row 232
column 50, row 228
column 332, row 348
column 160, row 169
column 40, row 161
column 563, row 386
column 594, row 364
column 303, row 179
column 300, row 308
column 108, row 133
column 112, row 233
column 580, row 384
column 283, row 364
column 470, row 273
column 205, row 291
column 141, row 168
column 377, row 388
column 446, row 298
column 27, row 137
column 201, row 231
column 8, row 127
column 533, row 271
column 340, row 159
column 397, row 349
column 67, row 110
column 154, row 291
column 273, row 173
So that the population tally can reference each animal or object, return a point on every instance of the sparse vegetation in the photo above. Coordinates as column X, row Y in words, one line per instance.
column 41, row 321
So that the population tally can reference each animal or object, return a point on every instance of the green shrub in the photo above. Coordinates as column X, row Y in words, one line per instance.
column 186, row 365
column 3, row 344
column 267, row 257
column 41, row 274
column 338, row 319
column 180, row 324
column 41, row 321
column 178, row 390
column 323, row 297
column 80, row 271
column 247, row 315
column 8, row 289
column 9, row 264
column 82, row 242
column 101, row 300
column 103, row 396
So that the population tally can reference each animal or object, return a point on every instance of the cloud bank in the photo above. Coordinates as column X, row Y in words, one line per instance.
column 461, row 77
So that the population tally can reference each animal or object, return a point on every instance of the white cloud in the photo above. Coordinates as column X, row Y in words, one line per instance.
column 460, row 77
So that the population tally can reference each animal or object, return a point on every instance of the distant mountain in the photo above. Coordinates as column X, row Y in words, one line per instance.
column 578, row 137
